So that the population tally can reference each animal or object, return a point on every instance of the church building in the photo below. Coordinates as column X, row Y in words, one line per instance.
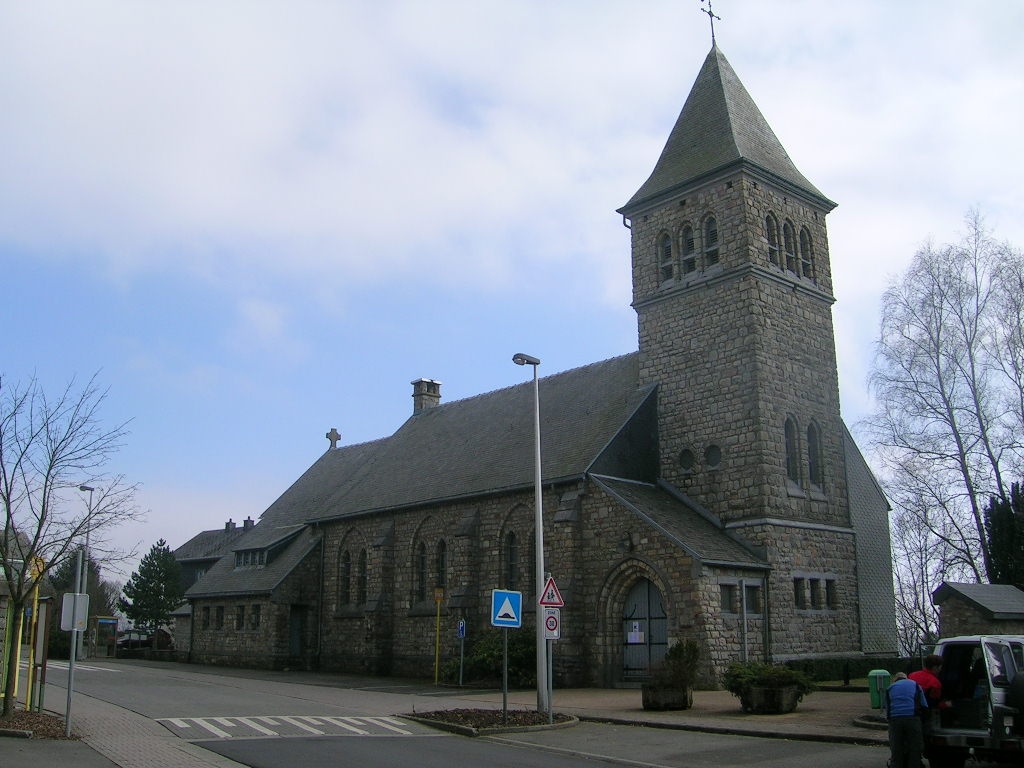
column 703, row 487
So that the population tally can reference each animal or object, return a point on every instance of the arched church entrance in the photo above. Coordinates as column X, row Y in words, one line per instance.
column 644, row 630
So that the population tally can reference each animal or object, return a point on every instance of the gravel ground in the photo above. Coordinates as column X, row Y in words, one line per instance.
column 42, row 725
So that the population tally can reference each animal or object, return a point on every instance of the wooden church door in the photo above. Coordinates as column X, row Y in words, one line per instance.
column 644, row 630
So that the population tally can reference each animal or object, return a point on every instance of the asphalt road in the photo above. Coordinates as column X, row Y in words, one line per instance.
column 283, row 720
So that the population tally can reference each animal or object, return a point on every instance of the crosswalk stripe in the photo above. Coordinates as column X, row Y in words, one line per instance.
column 284, row 726
column 295, row 721
column 386, row 722
column 342, row 722
column 211, row 728
column 257, row 727
column 79, row 667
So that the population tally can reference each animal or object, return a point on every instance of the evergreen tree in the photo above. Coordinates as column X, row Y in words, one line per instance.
column 1004, row 526
column 154, row 590
column 103, row 594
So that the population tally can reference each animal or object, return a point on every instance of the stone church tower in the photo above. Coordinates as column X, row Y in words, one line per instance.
column 733, row 292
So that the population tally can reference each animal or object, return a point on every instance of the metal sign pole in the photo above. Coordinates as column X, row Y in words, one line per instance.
column 72, row 654
column 504, row 681
column 462, row 647
column 551, row 684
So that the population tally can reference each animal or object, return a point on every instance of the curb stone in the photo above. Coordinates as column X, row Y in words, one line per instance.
column 14, row 733
column 466, row 730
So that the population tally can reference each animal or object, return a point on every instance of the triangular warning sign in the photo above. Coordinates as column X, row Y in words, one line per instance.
column 550, row 597
column 507, row 612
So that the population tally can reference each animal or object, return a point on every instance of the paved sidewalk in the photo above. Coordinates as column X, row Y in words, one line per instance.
column 113, row 736
column 834, row 716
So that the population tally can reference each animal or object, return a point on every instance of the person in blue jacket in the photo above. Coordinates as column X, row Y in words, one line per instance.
column 904, row 701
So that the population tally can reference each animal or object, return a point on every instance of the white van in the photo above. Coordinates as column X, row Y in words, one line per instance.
column 983, row 686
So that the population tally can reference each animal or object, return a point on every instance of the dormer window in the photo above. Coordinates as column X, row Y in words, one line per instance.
column 250, row 558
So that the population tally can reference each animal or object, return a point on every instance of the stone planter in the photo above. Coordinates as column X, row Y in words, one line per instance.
column 657, row 697
column 771, row 701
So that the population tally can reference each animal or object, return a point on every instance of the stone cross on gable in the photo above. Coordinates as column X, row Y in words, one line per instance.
column 334, row 436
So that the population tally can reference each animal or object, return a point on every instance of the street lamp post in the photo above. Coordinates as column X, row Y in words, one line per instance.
column 543, row 700
column 80, row 651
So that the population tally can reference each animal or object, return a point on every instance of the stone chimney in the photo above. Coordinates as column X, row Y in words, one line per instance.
column 229, row 526
column 426, row 393
column 247, row 524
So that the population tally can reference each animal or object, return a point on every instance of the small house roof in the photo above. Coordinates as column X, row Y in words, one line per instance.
column 996, row 601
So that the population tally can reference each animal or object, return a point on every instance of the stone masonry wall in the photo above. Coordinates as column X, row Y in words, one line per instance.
column 737, row 347
column 595, row 549
column 824, row 620
column 958, row 617
column 241, row 639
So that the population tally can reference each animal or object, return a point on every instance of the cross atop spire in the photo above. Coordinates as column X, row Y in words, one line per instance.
column 711, row 17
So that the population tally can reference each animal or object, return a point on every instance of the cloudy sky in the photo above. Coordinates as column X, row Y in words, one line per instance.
column 261, row 220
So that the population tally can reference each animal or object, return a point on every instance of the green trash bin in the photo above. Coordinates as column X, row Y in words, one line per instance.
column 878, row 682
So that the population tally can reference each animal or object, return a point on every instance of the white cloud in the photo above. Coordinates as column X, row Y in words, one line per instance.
column 286, row 161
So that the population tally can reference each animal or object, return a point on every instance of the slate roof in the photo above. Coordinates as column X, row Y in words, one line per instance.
column 869, row 515
column 223, row 578
column 208, row 545
column 480, row 445
column 718, row 127
column 997, row 601
column 683, row 521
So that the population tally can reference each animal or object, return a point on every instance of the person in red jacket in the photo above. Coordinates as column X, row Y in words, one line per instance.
column 928, row 679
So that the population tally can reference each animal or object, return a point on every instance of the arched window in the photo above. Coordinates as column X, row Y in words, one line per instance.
column 814, row 473
column 362, row 578
column 806, row 254
column 792, row 452
column 789, row 243
column 666, row 264
column 771, row 233
column 441, row 565
column 689, row 251
column 511, row 557
column 345, row 578
column 421, row 572
column 710, row 241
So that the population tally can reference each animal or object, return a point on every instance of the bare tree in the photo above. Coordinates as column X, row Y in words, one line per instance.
column 948, row 376
column 48, row 448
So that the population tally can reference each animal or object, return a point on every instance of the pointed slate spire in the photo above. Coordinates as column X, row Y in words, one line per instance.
column 719, row 126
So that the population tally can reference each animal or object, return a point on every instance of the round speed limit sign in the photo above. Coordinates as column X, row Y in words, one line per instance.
column 552, row 624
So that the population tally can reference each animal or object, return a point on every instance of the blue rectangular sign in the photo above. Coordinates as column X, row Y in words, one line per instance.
column 506, row 608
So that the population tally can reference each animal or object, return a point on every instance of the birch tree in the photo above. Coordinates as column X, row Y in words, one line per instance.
column 49, row 447
column 948, row 379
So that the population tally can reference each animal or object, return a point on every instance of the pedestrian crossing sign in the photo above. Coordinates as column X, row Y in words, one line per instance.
column 506, row 608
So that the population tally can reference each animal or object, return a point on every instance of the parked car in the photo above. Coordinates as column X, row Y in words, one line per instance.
column 983, row 687
column 134, row 638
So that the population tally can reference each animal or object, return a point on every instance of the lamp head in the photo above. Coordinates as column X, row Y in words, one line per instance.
column 85, row 488
column 520, row 359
